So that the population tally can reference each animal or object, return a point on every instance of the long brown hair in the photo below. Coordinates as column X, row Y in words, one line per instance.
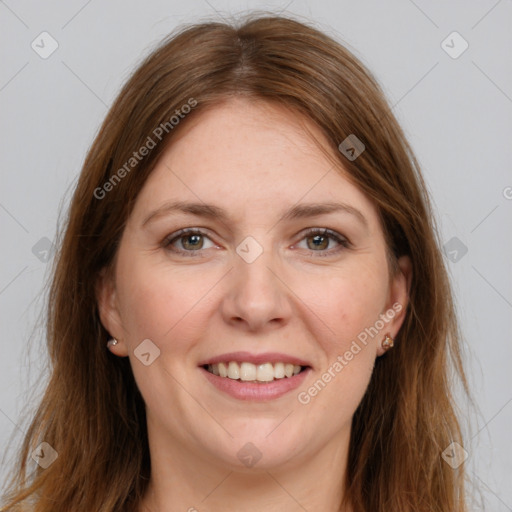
column 92, row 413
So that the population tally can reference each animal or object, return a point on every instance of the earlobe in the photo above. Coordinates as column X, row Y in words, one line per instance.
column 398, row 300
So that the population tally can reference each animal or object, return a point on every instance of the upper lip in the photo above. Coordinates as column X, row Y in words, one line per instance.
column 266, row 357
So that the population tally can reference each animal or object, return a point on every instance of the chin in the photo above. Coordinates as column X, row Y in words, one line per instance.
column 261, row 451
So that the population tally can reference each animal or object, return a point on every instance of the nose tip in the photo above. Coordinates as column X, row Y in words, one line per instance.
column 256, row 297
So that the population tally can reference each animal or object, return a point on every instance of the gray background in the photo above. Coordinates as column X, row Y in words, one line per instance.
column 457, row 113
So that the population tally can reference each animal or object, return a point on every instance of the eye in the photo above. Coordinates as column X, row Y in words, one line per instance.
column 319, row 239
column 191, row 240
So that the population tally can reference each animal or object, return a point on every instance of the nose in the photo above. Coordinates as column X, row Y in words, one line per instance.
column 257, row 297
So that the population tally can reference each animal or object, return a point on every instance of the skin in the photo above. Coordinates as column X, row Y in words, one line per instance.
column 254, row 160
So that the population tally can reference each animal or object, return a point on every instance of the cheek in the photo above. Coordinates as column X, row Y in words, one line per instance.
column 345, row 302
column 157, row 300
column 348, row 302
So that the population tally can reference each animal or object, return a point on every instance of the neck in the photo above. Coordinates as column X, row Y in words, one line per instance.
column 182, row 480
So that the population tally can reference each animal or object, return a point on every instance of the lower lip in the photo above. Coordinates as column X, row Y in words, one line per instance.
column 256, row 391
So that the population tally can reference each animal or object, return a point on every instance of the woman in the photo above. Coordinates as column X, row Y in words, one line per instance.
column 250, row 310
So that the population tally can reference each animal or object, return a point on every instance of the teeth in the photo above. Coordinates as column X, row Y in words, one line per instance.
column 249, row 372
column 279, row 370
column 266, row 372
column 223, row 371
column 233, row 370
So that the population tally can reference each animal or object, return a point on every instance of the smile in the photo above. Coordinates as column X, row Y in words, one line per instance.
column 249, row 372
column 255, row 377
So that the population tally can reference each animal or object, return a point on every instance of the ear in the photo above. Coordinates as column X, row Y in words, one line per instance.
column 398, row 299
column 106, row 297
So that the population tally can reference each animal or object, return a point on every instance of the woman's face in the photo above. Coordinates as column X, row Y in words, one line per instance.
column 250, row 285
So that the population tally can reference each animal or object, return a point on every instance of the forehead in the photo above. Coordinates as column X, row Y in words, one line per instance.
column 253, row 158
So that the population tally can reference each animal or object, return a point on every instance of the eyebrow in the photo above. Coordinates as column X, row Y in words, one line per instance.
column 210, row 211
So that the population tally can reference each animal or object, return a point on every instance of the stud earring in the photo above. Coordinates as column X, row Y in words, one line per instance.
column 387, row 342
column 112, row 342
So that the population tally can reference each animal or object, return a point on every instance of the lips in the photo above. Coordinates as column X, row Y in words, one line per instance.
column 259, row 377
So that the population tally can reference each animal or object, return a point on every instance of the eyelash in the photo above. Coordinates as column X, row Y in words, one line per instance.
column 344, row 243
